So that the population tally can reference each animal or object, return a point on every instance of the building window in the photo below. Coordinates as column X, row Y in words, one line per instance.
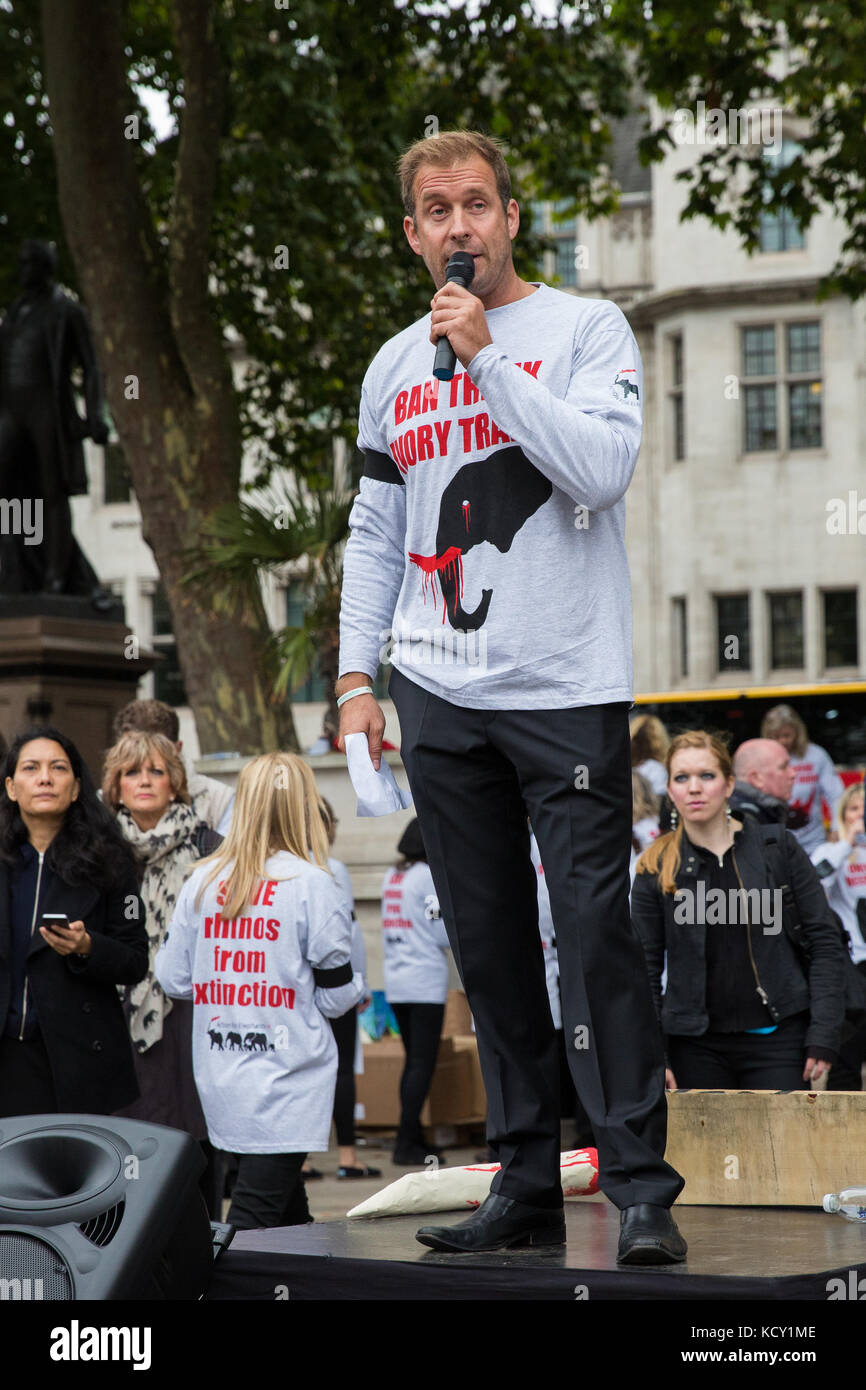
column 800, row 385
column 786, row 630
column 677, row 397
column 118, row 481
column 680, row 637
column 314, row 687
column 780, row 231
column 564, row 233
column 840, row 628
column 804, row 396
column 759, row 351
column 167, row 678
column 733, row 632
column 550, row 222
column 759, row 400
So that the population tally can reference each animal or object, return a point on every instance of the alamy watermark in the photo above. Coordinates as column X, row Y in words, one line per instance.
column 740, row 125
column 703, row 906
column 439, row 646
column 22, row 516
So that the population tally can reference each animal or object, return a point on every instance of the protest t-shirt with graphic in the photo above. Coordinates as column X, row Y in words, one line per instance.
column 359, row 951
column 264, row 1056
column 414, row 940
column 816, row 778
column 487, row 550
column 842, row 871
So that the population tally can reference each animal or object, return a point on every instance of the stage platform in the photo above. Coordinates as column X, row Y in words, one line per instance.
column 753, row 1253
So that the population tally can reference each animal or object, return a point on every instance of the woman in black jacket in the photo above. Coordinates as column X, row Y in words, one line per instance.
column 64, row 1045
column 739, row 1008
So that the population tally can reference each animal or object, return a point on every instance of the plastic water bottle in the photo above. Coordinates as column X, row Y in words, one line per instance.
column 850, row 1203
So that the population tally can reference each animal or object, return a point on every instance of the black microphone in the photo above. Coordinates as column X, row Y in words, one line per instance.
column 459, row 271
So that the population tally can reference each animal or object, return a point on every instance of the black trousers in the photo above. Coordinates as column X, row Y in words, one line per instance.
column 420, row 1030
column 475, row 774
column 748, row 1061
column 345, row 1029
column 26, row 1082
column 269, row 1191
column 846, row 1074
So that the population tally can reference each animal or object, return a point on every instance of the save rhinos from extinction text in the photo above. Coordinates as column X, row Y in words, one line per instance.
column 260, row 991
column 427, row 441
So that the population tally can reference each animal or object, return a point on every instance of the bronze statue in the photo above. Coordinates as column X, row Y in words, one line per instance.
column 43, row 337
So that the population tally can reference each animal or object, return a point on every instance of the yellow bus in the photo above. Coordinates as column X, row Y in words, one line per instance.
column 834, row 714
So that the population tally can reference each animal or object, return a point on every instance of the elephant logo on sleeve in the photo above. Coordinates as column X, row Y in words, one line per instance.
column 488, row 499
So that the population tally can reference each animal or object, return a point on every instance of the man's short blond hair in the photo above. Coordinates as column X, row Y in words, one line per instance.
column 447, row 148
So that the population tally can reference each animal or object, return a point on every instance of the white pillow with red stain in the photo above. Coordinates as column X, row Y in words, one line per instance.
column 454, row 1189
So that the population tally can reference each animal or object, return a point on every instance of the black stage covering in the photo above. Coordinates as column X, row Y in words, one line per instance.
column 743, row 1253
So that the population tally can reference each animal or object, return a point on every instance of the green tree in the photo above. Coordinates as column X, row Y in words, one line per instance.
column 264, row 233
column 804, row 59
column 265, row 535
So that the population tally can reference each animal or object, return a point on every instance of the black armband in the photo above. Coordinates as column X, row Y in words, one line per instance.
column 329, row 979
column 382, row 468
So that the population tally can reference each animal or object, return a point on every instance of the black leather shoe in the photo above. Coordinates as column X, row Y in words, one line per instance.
column 648, row 1235
column 500, row 1223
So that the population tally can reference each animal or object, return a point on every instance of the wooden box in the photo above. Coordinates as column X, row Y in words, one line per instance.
column 766, row 1148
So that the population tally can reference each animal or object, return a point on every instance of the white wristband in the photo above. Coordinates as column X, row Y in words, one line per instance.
column 361, row 690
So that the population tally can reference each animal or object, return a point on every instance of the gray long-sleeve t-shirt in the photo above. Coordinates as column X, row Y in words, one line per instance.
column 487, row 557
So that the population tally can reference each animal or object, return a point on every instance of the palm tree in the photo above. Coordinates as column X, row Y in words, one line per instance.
column 243, row 539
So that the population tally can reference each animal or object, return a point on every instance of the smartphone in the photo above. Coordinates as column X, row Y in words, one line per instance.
column 859, row 839
column 54, row 921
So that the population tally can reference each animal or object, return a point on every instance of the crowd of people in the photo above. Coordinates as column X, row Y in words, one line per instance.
column 132, row 981
column 181, row 955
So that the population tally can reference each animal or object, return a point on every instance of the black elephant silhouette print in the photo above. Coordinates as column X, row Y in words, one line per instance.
column 255, row 1042
column 234, row 1041
column 488, row 499
column 216, row 1040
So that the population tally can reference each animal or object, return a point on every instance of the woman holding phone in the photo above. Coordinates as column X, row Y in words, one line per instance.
column 71, row 930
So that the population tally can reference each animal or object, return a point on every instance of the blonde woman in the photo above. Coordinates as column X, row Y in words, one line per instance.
column 738, row 1009
column 841, row 867
column 644, row 812
column 260, row 942
column 815, row 776
column 144, row 784
column 649, row 744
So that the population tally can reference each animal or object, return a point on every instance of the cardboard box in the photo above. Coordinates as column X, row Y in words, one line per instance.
column 452, row 1094
column 454, row 1091
column 766, row 1148
column 378, row 1089
column 478, row 1095
column 458, row 1018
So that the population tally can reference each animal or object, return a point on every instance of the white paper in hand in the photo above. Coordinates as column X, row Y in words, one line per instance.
column 377, row 792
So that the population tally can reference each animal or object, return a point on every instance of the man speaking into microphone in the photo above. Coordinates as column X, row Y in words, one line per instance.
column 487, row 556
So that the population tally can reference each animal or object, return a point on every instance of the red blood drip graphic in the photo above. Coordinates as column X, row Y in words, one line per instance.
column 466, row 514
column 430, row 566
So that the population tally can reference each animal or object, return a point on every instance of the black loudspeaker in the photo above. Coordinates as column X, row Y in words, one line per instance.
column 94, row 1207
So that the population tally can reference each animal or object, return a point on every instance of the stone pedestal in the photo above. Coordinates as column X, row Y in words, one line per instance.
column 62, row 663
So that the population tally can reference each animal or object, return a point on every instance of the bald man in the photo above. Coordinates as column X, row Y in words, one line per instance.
column 765, row 779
